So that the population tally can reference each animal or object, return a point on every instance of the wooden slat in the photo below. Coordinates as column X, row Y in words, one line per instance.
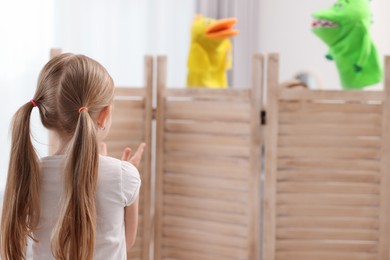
column 325, row 255
column 384, row 238
column 319, row 107
column 206, row 226
column 124, row 134
column 235, row 168
column 206, row 192
column 199, row 93
column 127, row 124
column 330, row 141
column 330, row 175
column 298, row 94
column 329, row 164
column 330, row 118
column 206, row 237
column 128, row 112
column 329, row 130
column 206, row 182
column 206, row 149
column 214, row 216
column 329, row 199
column 339, row 152
column 329, row 246
column 328, row 188
column 271, row 159
column 123, row 91
column 146, row 164
column 205, row 204
column 328, row 211
column 118, row 147
column 208, row 111
column 180, row 254
column 207, row 248
column 329, row 222
column 216, row 128
column 218, row 140
column 327, row 234
column 132, row 104
column 159, row 193
column 256, row 144
column 137, row 133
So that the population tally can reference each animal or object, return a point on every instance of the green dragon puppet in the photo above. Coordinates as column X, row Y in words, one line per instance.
column 210, row 52
column 344, row 27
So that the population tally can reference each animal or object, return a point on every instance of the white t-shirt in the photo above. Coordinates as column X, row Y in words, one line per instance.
column 118, row 186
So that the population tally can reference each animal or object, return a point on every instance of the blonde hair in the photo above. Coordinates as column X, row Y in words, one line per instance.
column 21, row 209
column 66, row 83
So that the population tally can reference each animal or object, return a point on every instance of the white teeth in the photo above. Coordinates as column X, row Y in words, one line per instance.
column 324, row 24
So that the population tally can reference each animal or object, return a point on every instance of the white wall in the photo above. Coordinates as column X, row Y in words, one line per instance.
column 380, row 30
column 119, row 33
column 285, row 28
column 26, row 30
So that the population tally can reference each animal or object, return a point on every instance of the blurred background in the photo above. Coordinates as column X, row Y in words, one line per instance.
column 118, row 33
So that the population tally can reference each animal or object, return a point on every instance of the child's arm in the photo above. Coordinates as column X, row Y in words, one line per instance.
column 131, row 212
column 131, row 223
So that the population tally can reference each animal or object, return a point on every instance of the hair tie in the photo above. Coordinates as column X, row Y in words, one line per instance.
column 33, row 102
column 83, row 108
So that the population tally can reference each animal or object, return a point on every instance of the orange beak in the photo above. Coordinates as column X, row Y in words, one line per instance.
column 222, row 29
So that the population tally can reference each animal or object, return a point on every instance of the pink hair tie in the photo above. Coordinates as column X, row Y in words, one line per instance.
column 83, row 108
column 33, row 102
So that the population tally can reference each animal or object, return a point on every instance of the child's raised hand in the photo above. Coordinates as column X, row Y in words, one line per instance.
column 136, row 158
column 126, row 156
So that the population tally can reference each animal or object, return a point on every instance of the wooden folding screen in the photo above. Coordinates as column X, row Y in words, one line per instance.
column 207, row 173
column 131, row 125
column 327, row 173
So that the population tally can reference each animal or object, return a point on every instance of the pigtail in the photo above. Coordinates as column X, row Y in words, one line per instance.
column 20, row 215
column 74, row 235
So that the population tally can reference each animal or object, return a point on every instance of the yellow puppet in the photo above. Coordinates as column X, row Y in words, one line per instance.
column 210, row 52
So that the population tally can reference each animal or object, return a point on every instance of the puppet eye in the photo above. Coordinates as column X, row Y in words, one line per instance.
column 207, row 22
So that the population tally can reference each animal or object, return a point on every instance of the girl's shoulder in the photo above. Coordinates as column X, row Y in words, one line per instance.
column 121, row 167
column 122, row 172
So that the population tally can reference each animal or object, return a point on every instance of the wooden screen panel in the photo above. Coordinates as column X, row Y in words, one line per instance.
column 327, row 167
column 207, row 176
column 132, row 125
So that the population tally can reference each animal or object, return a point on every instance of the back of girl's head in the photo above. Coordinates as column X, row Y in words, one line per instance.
column 66, row 83
column 47, row 88
column 85, row 89
column 84, row 83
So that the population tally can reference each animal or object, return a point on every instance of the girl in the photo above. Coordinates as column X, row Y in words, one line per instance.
column 75, row 204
